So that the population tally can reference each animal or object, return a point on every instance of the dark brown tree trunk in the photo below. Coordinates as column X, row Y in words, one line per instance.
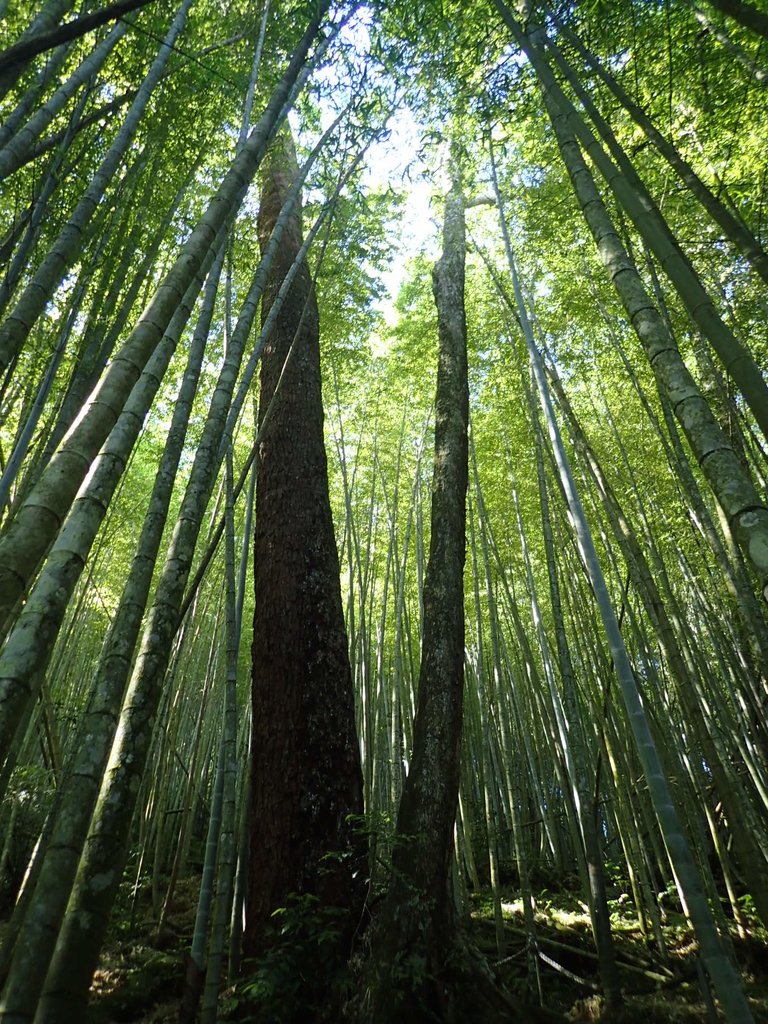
column 419, row 967
column 428, row 806
column 421, row 863
column 306, row 764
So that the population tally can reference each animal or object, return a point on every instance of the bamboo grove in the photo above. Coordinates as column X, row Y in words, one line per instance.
column 172, row 178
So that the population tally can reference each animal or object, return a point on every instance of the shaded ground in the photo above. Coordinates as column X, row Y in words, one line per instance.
column 141, row 976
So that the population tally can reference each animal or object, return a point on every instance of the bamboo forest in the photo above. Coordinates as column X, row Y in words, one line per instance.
column 383, row 511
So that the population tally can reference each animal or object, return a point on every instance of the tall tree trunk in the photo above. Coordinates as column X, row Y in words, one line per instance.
column 306, row 776
column 416, row 963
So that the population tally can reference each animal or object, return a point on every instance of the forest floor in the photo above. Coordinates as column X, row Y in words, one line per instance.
column 140, row 980
column 656, row 989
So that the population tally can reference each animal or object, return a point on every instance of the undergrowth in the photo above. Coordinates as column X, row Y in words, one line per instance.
column 141, row 974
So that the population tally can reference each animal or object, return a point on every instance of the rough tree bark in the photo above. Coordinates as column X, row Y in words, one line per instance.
column 420, row 968
column 307, row 781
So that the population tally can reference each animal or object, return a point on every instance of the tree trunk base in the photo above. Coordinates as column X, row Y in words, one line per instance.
column 452, row 985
